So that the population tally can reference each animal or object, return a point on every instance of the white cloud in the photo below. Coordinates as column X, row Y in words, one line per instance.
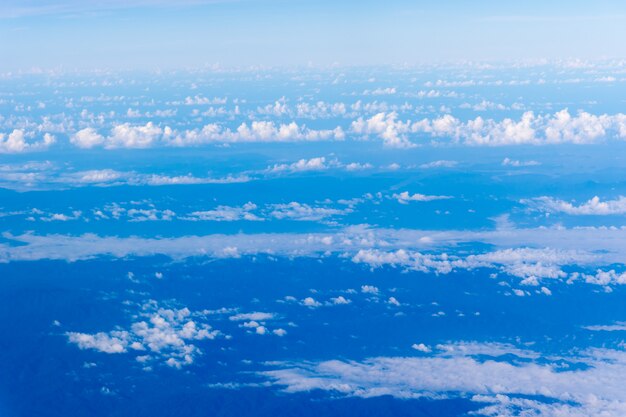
column 439, row 164
column 87, row 138
column 128, row 136
column 225, row 213
column 304, row 212
column 532, row 254
column 165, row 334
column 387, row 127
column 256, row 316
column 19, row 141
column 340, row 300
column 404, row 197
column 535, row 386
column 420, row 347
column 369, row 289
column 530, row 129
column 303, row 165
column 517, row 163
column 257, row 131
column 310, row 302
column 592, row 207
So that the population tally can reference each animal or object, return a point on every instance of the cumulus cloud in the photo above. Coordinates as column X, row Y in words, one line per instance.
column 530, row 129
column 19, row 141
column 387, row 127
column 404, row 197
column 517, row 163
column 257, row 131
column 303, row 165
column 439, row 164
column 500, row 386
column 226, row 213
column 304, row 212
column 529, row 264
column 592, row 207
column 87, row 138
column 161, row 333
column 150, row 135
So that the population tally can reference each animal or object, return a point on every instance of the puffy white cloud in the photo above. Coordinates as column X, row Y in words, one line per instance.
column 128, row 136
column 380, row 91
column 530, row 129
column 320, row 110
column 257, row 131
column 531, row 265
column 439, row 164
column 393, row 301
column 616, row 327
column 594, row 206
column 150, row 135
column 87, row 138
column 369, row 289
column 113, row 342
column 304, row 212
column 310, row 302
column 404, row 197
column 340, row 300
column 19, row 141
column 165, row 334
column 303, row 165
column 387, row 127
column 255, row 316
column 516, row 163
column 535, row 386
column 420, row 347
column 226, row 213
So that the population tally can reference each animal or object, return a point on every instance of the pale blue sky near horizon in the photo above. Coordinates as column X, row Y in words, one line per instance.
column 148, row 34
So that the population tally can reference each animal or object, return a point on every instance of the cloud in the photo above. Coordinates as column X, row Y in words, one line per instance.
column 303, row 165
column 257, row 131
column 533, row 385
column 87, row 138
column 592, row 207
column 304, row 212
column 150, row 135
column 226, row 213
column 387, row 127
column 516, row 163
column 404, row 197
column 256, row 316
column 439, row 164
column 19, row 141
column 128, row 136
column 310, row 302
column 531, row 265
column 420, row 347
column 530, row 129
column 532, row 255
column 163, row 334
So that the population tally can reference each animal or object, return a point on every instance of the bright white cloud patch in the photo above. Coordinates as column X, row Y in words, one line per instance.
column 19, row 141
column 404, row 197
column 159, row 333
column 530, row 129
column 593, row 207
column 534, row 386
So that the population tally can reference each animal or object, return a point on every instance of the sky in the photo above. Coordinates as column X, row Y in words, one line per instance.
column 174, row 34
column 265, row 208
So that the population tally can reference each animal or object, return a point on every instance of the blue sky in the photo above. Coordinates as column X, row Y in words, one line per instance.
column 150, row 34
